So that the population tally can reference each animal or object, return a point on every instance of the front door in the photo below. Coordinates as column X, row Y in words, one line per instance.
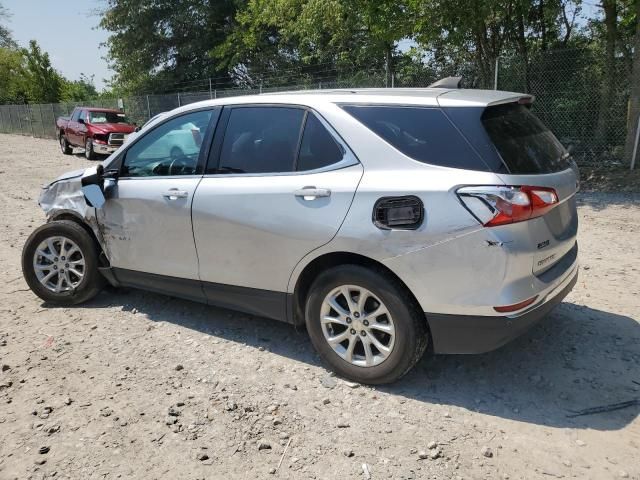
column 147, row 216
column 280, row 188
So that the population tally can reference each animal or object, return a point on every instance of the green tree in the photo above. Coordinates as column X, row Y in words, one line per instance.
column 79, row 90
column 6, row 41
column 12, row 80
column 44, row 83
column 157, row 45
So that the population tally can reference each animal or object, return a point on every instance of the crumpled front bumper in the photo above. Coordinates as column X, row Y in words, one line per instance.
column 102, row 149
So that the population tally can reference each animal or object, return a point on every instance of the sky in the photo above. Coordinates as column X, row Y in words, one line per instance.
column 66, row 30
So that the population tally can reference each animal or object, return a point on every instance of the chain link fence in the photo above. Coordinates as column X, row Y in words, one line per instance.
column 572, row 97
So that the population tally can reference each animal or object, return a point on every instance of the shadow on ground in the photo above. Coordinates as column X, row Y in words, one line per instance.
column 577, row 358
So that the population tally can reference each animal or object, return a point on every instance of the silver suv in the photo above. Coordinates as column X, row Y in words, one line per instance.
column 386, row 221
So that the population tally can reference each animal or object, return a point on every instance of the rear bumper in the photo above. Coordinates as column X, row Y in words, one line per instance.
column 480, row 334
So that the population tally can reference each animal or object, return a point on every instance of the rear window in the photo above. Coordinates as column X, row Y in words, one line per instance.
column 422, row 133
column 522, row 140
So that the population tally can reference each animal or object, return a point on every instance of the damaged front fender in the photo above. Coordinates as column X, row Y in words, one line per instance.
column 64, row 197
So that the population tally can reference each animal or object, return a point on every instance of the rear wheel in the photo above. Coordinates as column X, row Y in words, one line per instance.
column 88, row 149
column 64, row 146
column 364, row 324
column 60, row 263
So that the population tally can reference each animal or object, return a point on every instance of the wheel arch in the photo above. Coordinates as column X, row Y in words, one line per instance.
column 75, row 217
column 328, row 260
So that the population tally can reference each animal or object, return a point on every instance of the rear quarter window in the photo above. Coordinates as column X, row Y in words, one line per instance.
column 422, row 133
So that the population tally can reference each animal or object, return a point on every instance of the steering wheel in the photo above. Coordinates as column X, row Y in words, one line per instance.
column 179, row 164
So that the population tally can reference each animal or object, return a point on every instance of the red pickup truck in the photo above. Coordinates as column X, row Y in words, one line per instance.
column 97, row 130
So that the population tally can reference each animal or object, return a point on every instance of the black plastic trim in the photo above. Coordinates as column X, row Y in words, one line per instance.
column 480, row 334
column 263, row 303
column 382, row 226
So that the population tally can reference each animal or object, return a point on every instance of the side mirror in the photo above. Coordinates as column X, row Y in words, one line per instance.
column 93, row 186
column 94, row 196
column 81, row 120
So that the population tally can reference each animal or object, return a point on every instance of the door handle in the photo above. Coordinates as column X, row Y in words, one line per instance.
column 174, row 194
column 311, row 193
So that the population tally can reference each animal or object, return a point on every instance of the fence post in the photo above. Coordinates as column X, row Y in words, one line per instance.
column 31, row 120
column 635, row 145
column 148, row 109
column 179, row 99
column 495, row 75
column 210, row 93
column 215, row 93
column 393, row 80
column 41, row 121
column 19, row 119
column 53, row 116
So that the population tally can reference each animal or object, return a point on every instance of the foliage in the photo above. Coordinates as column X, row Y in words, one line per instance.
column 160, row 43
column 79, row 90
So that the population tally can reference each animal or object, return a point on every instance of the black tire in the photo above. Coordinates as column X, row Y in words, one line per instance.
column 64, row 146
column 411, row 333
column 88, row 150
column 92, row 281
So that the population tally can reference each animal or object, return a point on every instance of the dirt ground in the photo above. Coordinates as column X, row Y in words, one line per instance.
column 138, row 385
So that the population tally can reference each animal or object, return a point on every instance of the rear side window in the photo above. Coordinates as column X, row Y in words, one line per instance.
column 525, row 144
column 261, row 140
column 422, row 133
column 318, row 148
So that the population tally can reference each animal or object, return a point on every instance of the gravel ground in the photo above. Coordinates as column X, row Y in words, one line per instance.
column 138, row 385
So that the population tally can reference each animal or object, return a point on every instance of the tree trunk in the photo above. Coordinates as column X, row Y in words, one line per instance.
column 523, row 51
column 387, row 66
column 634, row 99
column 543, row 25
column 608, row 85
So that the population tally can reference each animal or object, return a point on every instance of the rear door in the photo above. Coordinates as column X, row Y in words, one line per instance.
column 278, row 185
column 534, row 156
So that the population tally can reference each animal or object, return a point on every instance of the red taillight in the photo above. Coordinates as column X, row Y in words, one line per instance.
column 501, row 205
column 516, row 306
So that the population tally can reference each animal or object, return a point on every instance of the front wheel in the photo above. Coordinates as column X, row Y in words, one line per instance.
column 60, row 263
column 64, row 146
column 365, row 324
column 88, row 150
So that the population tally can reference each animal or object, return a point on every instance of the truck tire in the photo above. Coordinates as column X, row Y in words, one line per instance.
column 60, row 263
column 88, row 150
column 64, row 146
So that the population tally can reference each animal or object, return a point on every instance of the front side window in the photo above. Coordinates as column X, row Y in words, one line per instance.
column 261, row 140
column 170, row 149
column 107, row 117
column 83, row 115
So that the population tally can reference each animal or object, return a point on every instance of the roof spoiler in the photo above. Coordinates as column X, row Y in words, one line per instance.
column 448, row 82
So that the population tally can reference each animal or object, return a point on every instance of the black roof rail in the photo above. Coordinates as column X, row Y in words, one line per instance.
column 447, row 82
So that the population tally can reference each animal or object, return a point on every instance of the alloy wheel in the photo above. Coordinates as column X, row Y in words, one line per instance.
column 357, row 325
column 59, row 264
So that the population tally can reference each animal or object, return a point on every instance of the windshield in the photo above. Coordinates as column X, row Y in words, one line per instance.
column 107, row 117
